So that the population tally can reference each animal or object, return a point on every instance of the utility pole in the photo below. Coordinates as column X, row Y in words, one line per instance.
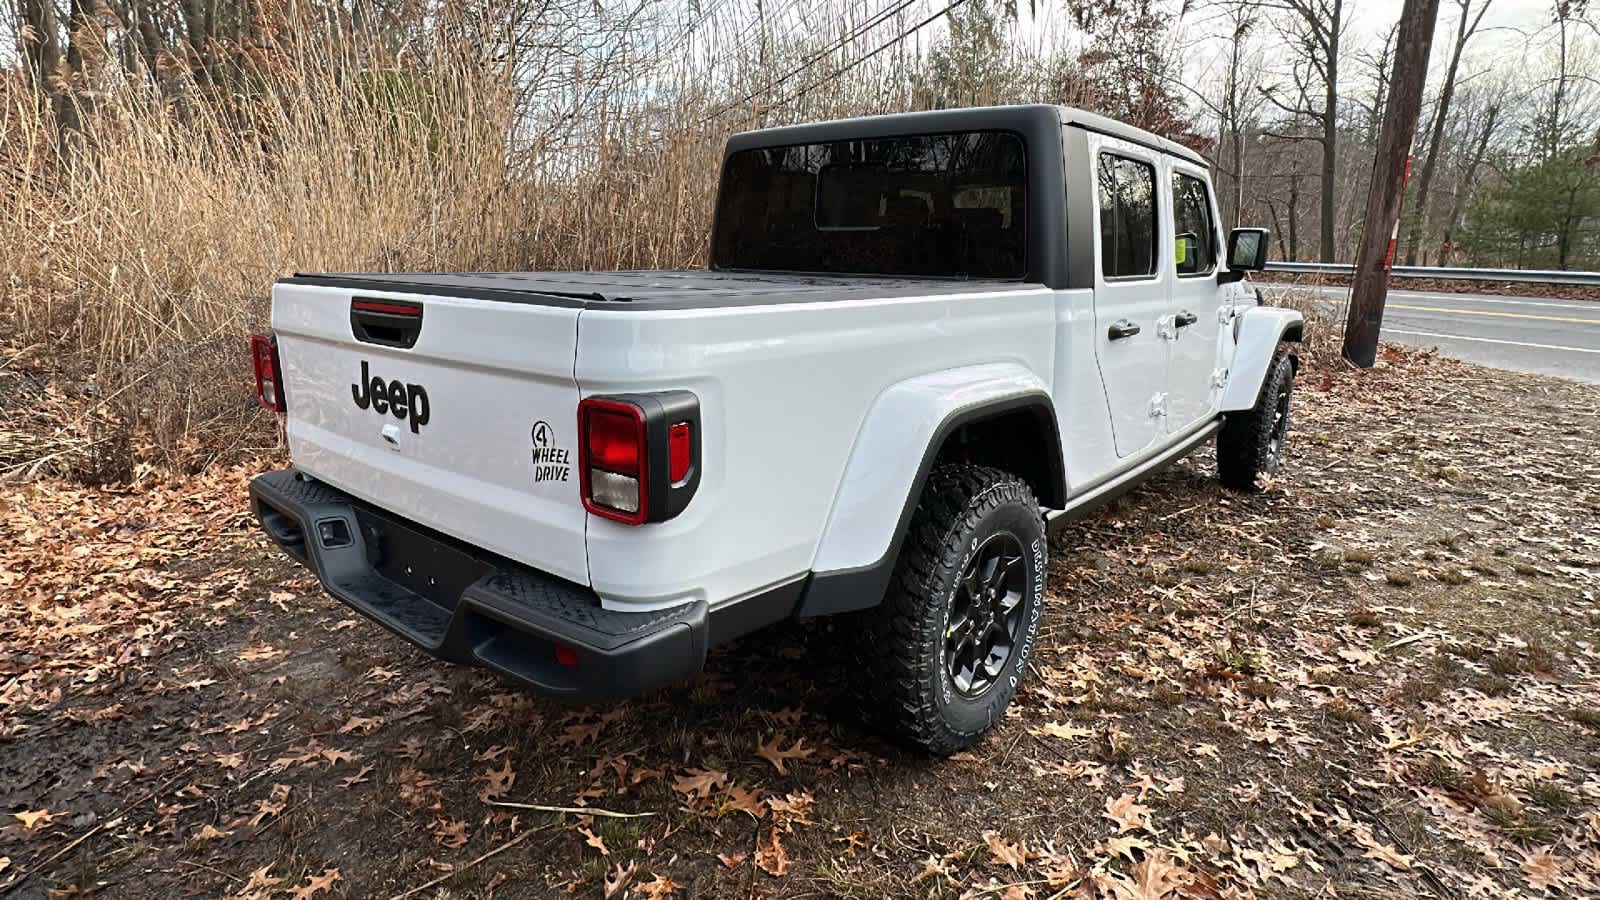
column 1389, row 165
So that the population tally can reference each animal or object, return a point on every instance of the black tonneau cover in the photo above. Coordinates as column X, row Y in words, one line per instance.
column 651, row 288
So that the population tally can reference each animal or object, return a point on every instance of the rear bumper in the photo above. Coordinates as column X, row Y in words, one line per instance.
column 463, row 604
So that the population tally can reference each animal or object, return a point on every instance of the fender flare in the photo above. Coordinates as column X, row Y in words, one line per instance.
column 1260, row 330
column 879, row 490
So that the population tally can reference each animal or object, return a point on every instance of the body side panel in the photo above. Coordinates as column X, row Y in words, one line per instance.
column 1260, row 330
column 1082, row 414
column 899, row 431
column 784, row 391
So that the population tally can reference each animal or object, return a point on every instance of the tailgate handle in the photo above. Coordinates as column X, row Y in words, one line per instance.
column 392, row 323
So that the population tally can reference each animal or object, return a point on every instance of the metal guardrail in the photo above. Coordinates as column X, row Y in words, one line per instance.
column 1446, row 273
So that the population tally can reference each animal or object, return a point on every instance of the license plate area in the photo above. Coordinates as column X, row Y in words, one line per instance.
column 421, row 562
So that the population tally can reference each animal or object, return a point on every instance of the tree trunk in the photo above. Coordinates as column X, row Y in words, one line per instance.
column 1238, row 177
column 41, row 44
column 1330, row 135
column 1294, row 218
column 1419, row 215
column 1478, row 153
column 68, row 118
column 1277, row 229
column 1371, row 283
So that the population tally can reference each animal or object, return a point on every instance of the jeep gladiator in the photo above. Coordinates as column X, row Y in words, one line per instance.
column 921, row 341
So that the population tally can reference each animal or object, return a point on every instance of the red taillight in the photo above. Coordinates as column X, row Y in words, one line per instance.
column 615, row 439
column 680, row 452
column 613, row 470
column 264, row 358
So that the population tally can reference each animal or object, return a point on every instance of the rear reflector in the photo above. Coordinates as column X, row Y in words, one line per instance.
column 680, row 453
column 264, row 359
column 566, row 656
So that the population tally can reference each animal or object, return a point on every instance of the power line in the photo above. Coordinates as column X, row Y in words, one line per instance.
column 858, row 32
column 754, row 35
column 699, row 23
column 902, row 36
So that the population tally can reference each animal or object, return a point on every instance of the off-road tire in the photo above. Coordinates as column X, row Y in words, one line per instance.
column 1251, row 443
column 900, row 647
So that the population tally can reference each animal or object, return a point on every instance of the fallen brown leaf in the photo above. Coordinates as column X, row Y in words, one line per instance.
column 772, row 752
column 771, row 858
column 618, row 881
column 1128, row 814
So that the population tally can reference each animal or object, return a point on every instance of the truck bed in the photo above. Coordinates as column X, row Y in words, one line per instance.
column 649, row 288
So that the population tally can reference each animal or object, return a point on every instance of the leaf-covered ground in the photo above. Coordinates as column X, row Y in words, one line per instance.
column 1378, row 678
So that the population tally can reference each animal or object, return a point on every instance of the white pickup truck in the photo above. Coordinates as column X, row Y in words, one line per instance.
column 922, row 340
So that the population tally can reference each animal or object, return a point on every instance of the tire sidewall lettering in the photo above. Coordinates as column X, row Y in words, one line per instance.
column 1036, row 554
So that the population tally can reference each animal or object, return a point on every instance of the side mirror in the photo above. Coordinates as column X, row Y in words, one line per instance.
column 1247, row 252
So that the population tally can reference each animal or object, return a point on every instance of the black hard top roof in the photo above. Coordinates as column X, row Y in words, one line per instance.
column 981, row 118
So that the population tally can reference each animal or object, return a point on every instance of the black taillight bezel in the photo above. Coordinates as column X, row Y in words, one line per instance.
column 660, row 498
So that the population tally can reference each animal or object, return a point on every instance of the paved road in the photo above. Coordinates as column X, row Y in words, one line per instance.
column 1542, row 335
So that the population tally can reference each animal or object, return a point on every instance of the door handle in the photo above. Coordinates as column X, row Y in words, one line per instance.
column 1120, row 329
column 1185, row 318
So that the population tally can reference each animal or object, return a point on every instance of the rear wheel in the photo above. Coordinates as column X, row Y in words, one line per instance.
column 945, row 651
column 1250, row 444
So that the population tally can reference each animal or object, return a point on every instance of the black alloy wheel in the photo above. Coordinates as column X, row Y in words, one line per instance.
column 1280, row 428
column 940, row 659
column 985, row 616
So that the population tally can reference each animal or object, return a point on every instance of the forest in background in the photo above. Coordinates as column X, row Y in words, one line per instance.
column 161, row 163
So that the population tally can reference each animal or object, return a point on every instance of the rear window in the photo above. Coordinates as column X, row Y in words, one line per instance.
column 934, row 204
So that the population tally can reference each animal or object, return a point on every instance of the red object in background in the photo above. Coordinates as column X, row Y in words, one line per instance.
column 1394, row 236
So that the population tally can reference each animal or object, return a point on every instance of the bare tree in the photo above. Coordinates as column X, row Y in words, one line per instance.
column 40, row 42
column 1239, row 109
column 1490, row 119
column 1466, row 25
column 1314, row 30
column 1378, row 63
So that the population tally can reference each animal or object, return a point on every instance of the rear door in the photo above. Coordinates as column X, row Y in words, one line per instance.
column 1196, row 299
column 1131, row 283
column 458, row 414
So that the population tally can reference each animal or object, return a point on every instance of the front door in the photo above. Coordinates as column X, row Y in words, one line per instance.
column 1194, row 380
column 1130, row 297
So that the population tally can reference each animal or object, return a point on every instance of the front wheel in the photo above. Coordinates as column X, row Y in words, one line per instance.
column 943, row 654
column 1250, row 444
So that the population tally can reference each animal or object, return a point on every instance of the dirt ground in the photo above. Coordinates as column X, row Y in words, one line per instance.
column 1377, row 678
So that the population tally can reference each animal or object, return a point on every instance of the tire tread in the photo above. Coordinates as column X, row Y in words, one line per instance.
column 1243, row 444
column 895, row 695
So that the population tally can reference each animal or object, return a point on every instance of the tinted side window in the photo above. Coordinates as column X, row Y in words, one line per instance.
column 1196, row 244
column 1127, row 217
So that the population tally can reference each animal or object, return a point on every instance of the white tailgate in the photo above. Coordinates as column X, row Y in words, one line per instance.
column 499, row 385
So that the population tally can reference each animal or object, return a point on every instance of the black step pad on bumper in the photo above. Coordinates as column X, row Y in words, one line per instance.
column 463, row 604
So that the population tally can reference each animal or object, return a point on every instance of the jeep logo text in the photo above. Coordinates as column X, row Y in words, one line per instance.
column 403, row 401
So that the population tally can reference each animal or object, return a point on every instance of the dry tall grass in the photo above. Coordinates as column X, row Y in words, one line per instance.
column 139, row 252
column 143, row 262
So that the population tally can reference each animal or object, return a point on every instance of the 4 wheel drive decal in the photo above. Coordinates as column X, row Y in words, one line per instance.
column 550, row 462
column 403, row 401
